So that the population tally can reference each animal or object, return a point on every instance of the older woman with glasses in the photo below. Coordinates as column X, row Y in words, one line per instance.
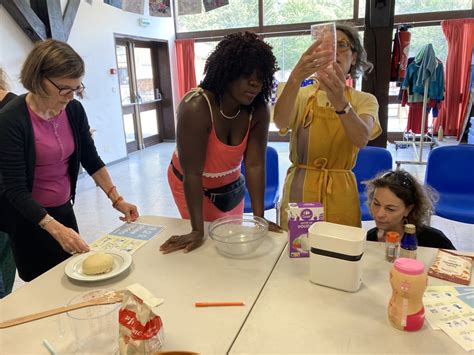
column 44, row 137
column 394, row 199
column 329, row 122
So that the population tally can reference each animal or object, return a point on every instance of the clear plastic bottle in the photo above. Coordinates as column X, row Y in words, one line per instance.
column 392, row 244
column 408, row 281
column 409, row 243
column 440, row 133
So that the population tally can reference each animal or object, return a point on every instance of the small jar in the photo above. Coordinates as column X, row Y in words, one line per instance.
column 392, row 246
column 409, row 243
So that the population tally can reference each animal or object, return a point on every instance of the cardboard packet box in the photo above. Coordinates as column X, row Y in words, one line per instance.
column 301, row 215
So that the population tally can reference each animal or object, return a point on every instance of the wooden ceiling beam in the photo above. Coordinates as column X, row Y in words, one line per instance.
column 43, row 19
column 27, row 19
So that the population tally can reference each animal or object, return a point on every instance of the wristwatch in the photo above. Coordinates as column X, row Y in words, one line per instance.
column 345, row 110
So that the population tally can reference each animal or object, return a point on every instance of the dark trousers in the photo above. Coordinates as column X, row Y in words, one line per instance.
column 7, row 265
column 35, row 250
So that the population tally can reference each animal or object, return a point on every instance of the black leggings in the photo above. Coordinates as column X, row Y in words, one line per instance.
column 35, row 250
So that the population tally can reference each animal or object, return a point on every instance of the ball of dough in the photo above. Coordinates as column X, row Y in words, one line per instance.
column 98, row 263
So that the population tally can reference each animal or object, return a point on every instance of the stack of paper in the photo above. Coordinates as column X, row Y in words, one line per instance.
column 451, row 309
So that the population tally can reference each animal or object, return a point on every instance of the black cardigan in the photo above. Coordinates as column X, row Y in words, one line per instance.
column 18, row 159
column 8, row 97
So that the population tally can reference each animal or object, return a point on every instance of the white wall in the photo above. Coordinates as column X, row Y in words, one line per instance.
column 92, row 36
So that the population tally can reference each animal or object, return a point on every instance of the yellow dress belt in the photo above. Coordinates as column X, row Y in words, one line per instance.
column 324, row 184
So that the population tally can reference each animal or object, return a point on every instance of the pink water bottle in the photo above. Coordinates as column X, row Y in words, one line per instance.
column 408, row 280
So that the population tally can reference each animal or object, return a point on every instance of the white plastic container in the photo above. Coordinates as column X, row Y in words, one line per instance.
column 336, row 255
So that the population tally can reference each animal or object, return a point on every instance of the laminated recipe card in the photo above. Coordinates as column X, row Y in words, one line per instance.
column 129, row 237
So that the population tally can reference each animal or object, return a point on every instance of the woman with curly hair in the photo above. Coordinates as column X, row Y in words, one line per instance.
column 394, row 199
column 329, row 122
column 222, row 121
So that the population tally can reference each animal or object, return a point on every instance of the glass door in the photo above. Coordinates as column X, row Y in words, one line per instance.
column 139, row 92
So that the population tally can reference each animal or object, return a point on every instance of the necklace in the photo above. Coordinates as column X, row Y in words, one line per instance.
column 229, row 117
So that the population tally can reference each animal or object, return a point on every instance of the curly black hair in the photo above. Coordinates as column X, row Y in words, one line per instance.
column 237, row 55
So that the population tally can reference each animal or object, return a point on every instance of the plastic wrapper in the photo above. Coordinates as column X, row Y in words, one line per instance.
column 140, row 328
column 327, row 33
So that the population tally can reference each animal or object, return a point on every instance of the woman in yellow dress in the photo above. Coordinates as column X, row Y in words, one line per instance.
column 329, row 123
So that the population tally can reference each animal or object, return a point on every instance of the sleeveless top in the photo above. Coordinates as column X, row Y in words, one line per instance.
column 222, row 165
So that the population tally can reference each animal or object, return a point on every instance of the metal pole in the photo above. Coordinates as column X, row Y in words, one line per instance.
column 423, row 119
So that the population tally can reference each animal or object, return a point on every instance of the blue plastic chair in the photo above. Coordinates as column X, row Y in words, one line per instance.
column 450, row 171
column 272, row 185
column 370, row 162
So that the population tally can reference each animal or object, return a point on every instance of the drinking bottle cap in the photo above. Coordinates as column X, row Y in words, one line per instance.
column 409, row 266
column 410, row 228
column 392, row 237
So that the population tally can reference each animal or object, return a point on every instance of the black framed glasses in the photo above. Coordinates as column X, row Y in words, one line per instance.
column 343, row 46
column 403, row 178
column 66, row 91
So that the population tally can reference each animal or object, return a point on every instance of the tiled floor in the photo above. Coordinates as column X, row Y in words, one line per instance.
column 141, row 179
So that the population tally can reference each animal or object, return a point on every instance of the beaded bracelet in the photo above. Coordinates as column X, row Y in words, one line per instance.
column 117, row 201
column 111, row 190
column 46, row 221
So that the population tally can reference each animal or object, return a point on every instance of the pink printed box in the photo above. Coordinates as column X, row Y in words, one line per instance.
column 301, row 215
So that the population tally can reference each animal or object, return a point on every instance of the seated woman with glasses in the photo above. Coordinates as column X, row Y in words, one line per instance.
column 44, row 137
column 329, row 122
column 394, row 199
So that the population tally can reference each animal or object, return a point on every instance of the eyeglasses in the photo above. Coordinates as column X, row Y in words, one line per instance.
column 343, row 46
column 403, row 178
column 67, row 91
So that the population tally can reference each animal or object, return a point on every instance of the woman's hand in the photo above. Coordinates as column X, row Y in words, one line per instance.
column 312, row 60
column 129, row 210
column 334, row 83
column 187, row 242
column 68, row 238
column 273, row 227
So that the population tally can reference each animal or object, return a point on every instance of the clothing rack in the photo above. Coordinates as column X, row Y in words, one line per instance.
column 419, row 153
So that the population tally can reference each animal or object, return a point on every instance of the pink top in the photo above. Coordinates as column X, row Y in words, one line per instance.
column 54, row 144
column 409, row 266
column 222, row 165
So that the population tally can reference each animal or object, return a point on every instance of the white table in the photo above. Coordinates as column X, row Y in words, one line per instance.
column 293, row 315
column 181, row 279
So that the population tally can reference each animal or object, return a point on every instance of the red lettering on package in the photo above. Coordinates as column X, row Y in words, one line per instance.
column 138, row 330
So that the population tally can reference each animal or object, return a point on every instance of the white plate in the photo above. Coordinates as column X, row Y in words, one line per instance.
column 122, row 261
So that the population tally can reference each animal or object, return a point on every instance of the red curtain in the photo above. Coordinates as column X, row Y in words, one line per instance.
column 185, row 63
column 460, row 37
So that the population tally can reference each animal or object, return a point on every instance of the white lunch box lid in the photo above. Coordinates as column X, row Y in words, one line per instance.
column 337, row 238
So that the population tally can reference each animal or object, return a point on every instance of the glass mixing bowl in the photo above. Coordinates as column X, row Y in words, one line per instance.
column 238, row 235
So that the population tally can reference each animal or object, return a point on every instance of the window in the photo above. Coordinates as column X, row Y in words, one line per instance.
column 277, row 12
column 237, row 14
column 417, row 6
column 397, row 118
column 288, row 51
column 420, row 36
column 361, row 9
column 201, row 52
